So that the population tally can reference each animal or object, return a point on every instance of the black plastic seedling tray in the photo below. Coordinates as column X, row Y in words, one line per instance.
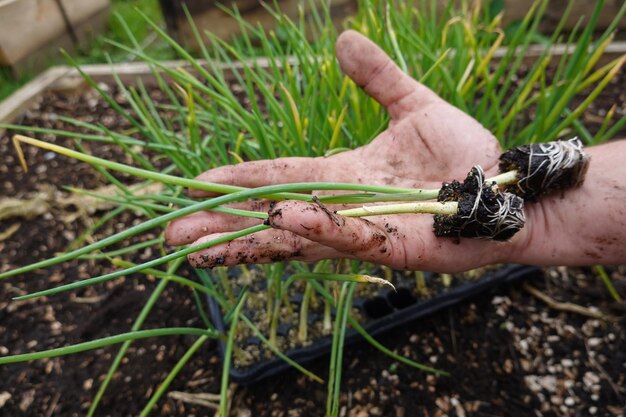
column 385, row 311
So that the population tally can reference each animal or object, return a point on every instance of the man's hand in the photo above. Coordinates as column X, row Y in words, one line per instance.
column 428, row 141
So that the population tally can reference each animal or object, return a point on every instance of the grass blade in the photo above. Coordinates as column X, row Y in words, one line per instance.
column 107, row 341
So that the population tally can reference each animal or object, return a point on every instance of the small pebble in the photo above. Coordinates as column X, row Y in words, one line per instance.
column 568, row 328
column 87, row 384
column 4, row 397
column 358, row 396
column 508, row 366
column 594, row 341
column 523, row 344
column 443, row 404
column 569, row 401
column 590, row 379
column 536, row 383
column 376, row 411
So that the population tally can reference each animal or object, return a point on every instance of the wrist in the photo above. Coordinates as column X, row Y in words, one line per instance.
column 581, row 226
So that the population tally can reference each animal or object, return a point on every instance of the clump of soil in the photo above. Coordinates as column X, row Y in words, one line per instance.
column 545, row 168
column 484, row 212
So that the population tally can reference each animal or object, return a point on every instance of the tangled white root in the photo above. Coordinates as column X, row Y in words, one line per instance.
column 503, row 217
column 484, row 211
column 553, row 166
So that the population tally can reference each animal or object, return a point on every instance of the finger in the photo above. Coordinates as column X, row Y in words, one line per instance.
column 259, row 173
column 384, row 243
column 187, row 229
column 260, row 248
column 357, row 237
column 372, row 69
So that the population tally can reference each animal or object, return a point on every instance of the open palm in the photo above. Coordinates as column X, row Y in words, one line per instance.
column 428, row 141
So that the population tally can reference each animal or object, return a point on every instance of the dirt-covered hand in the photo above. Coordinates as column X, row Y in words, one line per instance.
column 427, row 141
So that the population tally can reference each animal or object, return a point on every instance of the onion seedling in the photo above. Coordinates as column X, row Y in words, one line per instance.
column 477, row 208
column 420, row 283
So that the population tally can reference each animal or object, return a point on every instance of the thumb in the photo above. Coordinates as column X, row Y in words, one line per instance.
column 372, row 69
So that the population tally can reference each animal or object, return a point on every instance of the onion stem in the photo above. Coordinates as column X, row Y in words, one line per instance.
column 422, row 207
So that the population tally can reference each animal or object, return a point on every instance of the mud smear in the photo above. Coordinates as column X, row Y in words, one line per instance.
column 331, row 214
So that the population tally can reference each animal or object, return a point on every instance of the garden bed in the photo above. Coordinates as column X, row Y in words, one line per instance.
column 506, row 351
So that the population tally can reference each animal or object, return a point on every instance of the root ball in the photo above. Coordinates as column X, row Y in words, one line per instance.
column 545, row 167
column 484, row 212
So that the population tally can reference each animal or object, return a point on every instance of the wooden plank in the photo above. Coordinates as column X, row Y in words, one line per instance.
column 208, row 17
column 49, row 50
column 26, row 25
column 80, row 10
column 517, row 9
column 613, row 50
column 22, row 99
column 84, row 18
column 25, row 53
column 132, row 72
column 88, row 25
